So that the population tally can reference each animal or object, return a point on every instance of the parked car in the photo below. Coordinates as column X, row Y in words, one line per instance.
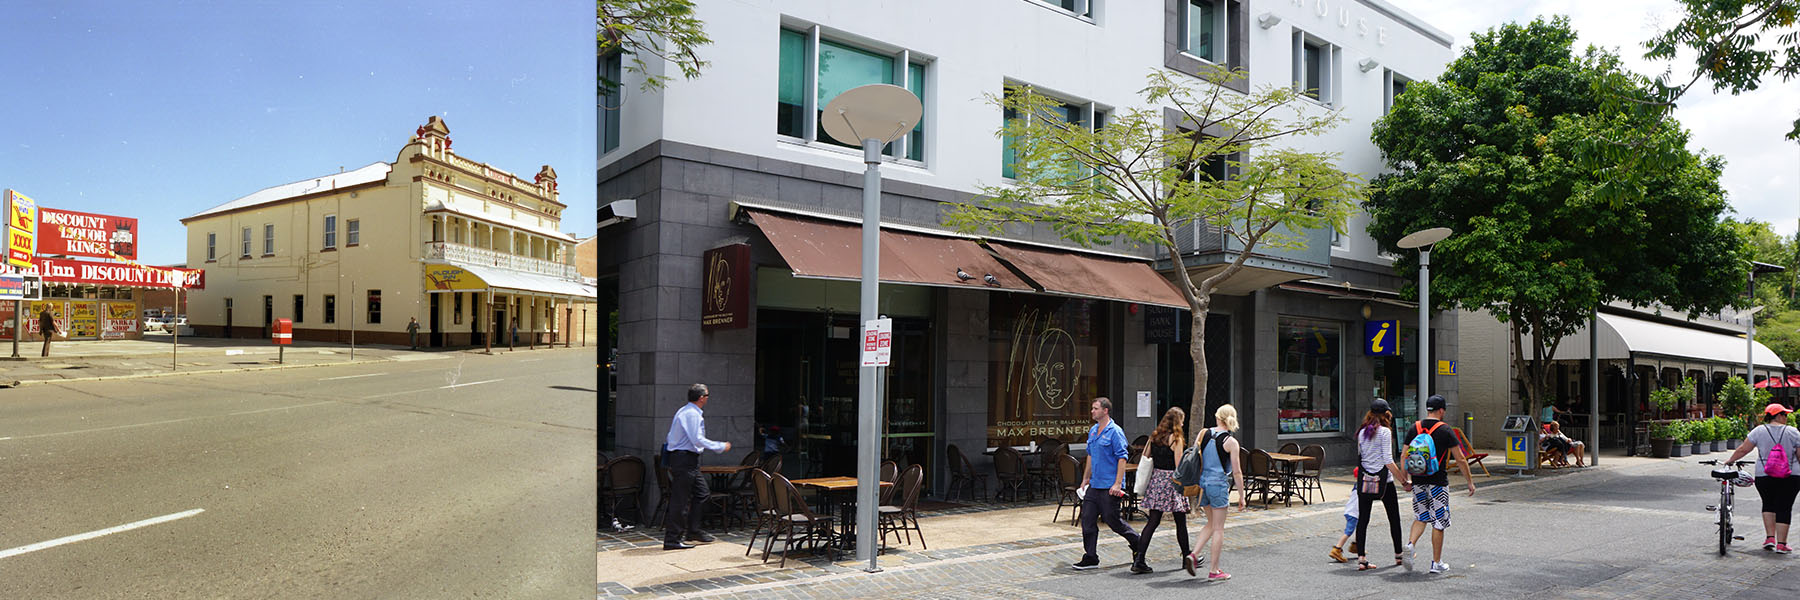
column 156, row 324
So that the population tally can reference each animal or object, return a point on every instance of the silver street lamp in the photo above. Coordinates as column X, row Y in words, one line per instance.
column 871, row 115
column 1423, row 240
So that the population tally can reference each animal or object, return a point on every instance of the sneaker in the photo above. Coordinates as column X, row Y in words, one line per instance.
column 1769, row 543
column 1406, row 558
column 1188, row 562
column 1438, row 567
column 1781, row 548
column 1337, row 554
column 1087, row 562
column 1219, row 576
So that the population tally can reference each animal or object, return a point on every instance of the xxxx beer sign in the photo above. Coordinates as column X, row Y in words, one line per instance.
column 21, row 229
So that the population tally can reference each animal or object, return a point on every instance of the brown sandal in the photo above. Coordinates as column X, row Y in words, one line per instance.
column 1363, row 565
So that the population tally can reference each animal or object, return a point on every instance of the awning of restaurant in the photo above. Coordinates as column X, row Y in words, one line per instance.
column 1623, row 336
column 459, row 277
column 1090, row 276
column 822, row 249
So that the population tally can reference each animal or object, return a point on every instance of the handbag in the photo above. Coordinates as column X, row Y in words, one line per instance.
column 1146, row 466
column 1369, row 484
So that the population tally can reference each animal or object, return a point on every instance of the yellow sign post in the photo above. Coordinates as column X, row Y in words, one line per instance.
column 21, row 229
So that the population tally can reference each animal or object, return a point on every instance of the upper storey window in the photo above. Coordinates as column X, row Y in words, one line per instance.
column 814, row 70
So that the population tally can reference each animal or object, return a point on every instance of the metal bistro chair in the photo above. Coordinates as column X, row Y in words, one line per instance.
column 766, row 512
column 890, row 472
column 1009, row 471
column 624, row 483
column 1309, row 473
column 799, row 518
column 1290, row 448
column 663, row 482
column 1258, row 479
column 905, row 517
column 1069, row 479
column 1046, row 471
column 963, row 475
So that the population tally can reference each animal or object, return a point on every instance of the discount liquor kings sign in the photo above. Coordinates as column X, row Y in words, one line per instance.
column 70, row 233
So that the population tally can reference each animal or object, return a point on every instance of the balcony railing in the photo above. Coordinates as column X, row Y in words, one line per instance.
column 1207, row 239
column 471, row 255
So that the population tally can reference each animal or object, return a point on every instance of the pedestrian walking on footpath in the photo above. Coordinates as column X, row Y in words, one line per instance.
column 1776, row 444
column 687, row 490
column 1351, row 513
column 1376, row 478
column 412, row 332
column 1219, row 463
column 1107, row 452
column 47, row 326
column 1427, row 456
column 1162, row 494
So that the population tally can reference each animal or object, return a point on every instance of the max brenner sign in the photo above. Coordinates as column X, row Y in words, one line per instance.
column 725, row 291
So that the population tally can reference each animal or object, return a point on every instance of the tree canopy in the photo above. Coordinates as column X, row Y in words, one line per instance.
column 1201, row 154
column 1729, row 42
column 1545, row 233
column 665, row 29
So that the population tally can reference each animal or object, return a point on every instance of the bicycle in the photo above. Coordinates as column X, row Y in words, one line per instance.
column 1727, row 477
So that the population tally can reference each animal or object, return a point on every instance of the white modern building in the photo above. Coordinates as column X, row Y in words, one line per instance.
column 737, row 196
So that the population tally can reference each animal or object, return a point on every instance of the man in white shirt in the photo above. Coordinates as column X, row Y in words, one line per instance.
column 686, row 440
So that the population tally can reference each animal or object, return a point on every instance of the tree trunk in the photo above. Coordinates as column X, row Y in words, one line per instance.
column 1197, row 350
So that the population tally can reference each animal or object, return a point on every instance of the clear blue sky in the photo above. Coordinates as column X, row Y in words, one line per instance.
column 159, row 110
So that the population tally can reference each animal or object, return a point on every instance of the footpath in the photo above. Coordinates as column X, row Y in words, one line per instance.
column 160, row 355
column 969, row 541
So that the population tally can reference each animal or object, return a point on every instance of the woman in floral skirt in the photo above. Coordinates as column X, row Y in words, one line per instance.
column 1163, row 496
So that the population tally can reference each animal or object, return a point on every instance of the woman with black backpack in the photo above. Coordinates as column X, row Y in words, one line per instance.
column 1376, row 478
column 1776, row 481
column 1217, row 451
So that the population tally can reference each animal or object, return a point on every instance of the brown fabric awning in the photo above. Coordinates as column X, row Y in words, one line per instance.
column 822, row 249
column 1089, row 276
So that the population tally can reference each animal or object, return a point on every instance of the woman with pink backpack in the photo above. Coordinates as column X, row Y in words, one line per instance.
column 1776, row 481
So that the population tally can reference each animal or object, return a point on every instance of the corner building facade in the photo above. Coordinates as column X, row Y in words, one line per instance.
column 470, row 250
column 766, row 198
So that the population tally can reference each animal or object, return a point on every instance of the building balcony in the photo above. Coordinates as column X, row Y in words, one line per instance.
column 1206, row 249
column 471, row 255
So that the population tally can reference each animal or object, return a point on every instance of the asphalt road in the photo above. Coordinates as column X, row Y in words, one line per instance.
column 465, row 476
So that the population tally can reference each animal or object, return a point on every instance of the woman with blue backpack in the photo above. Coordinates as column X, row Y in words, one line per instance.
column 1776, row 482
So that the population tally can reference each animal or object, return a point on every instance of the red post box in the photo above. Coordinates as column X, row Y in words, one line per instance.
column 284, row 332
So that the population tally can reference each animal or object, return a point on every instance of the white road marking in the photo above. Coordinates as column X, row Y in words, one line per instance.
column 166, row 421
column 531, row 360
column 275, row 408
column 94, row 534
column 352, row 376
column 457, row 385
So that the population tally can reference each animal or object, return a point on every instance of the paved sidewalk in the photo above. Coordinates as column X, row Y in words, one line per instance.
column 964, row 541
column 158, row 355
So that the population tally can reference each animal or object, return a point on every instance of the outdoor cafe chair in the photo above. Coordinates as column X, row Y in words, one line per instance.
column 624, row 483
column 1009, row 471
column 963, row 475
column 905, row 517
column 1258, row 478
column 1069, row 479
column 663, row 482
column 890, row 472
column 765, row 508
column 799, row 519
column 1309, row 473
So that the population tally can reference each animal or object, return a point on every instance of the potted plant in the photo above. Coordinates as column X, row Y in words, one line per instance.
column 1700, row 435
column 1664, row 437
column 1735, row 430
column 1717, row 429
column 1662, row 440
column 1678, row 432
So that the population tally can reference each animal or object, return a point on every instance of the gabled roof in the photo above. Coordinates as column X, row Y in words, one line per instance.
column 376, row 171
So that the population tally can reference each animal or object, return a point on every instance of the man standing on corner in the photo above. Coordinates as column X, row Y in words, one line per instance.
column 686, row 440
column 412, row 332
column 1106, row 467
column 47, row 326
column 1431, row 498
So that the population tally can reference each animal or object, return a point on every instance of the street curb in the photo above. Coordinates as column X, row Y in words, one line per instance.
column 26, row 382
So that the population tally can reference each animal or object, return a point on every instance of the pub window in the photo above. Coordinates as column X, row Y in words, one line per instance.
column 246, row 245
column 352, row 232
column 456, row 308
column 1309, row 376
column 330, row 308
column 299, row 308
column 268, row 239
column 212, row 246
column 374, row 306
column 1047, row 362
column 330, row 231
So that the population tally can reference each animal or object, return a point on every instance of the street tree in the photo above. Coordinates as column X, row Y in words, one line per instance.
column 1545, row 234
column 665, row 29
column 1228, row 163
column 1729, row 42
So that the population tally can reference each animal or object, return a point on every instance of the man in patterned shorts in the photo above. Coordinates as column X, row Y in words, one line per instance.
column 1431, row 499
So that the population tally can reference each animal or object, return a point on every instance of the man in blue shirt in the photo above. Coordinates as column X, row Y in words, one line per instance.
column 686, row 440
column 1106, row 448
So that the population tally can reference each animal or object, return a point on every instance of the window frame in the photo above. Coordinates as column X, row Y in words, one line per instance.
column 611, row 101
column 330, row 232
column 1083, row 9
column 456, row 312
column 1329, row 91
column 810, row 131
column 1093, row 114
column 1339, row 380
column 268, row 239
column 1388, row 79
column 245, row 245
column 299, row 308
column 373, row 307
column 352, row 232
column 330, row 309
column 212, row 246
column 1221, row 31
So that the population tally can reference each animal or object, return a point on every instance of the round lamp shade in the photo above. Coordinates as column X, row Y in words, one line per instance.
column 878, row 110
column 1424, row 238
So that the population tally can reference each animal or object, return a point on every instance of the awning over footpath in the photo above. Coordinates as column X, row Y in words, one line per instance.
column 828, row 249
column 1622, row 336
column 459, row 277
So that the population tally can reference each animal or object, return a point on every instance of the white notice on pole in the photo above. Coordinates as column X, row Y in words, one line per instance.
column 878, row 337
column 1143, row 404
